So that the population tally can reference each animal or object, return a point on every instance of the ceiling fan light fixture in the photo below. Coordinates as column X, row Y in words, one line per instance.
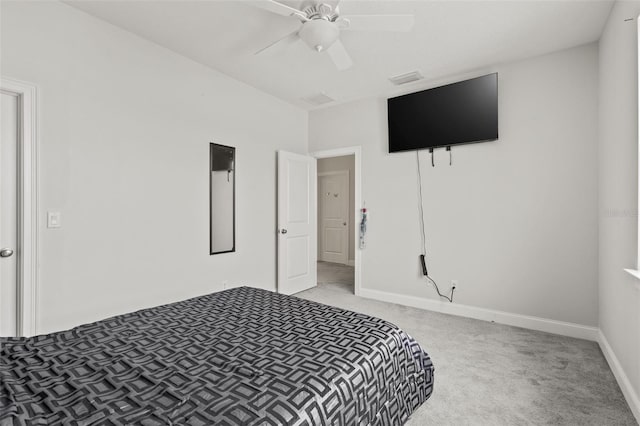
column 319, row 34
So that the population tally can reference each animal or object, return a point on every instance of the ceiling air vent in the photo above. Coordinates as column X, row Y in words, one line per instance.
column 319, row 99
column 406, row 78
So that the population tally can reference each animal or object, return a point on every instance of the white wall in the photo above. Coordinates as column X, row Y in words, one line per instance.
column 618, row 189
column 515, row 221
column 334, row 164
column 124, row 155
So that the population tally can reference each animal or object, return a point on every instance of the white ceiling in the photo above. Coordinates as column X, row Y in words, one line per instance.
column 449, row 37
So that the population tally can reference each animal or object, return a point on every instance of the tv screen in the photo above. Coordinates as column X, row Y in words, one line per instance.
column 457, row 113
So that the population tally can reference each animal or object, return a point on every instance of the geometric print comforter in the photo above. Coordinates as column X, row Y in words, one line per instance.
column 243, row 356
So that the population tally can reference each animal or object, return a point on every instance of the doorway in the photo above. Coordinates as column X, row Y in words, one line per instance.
column 338, row 220
column 9, row 249
column 18, row 208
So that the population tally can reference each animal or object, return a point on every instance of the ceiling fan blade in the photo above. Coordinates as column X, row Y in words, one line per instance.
column 278, row 8
column 279, row 44
column 339, row 55
column 402, row 23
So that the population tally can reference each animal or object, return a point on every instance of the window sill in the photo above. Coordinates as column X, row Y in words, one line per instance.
column 636, row 274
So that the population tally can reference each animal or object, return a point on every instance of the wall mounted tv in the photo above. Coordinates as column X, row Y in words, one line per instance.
column 458, row 113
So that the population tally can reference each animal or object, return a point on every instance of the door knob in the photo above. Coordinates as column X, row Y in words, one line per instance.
column 6, row 252
column 283, row 231
column 344, row 223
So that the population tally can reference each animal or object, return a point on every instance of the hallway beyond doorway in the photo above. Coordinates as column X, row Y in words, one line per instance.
column 336, row 276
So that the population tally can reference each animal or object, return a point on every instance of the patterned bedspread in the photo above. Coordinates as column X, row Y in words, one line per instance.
column 239, row 357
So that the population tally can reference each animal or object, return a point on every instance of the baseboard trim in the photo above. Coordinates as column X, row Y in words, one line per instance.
column 633, row 399
column 524, row 321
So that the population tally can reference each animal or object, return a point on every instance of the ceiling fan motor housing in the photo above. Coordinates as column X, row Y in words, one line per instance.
column 321, row 10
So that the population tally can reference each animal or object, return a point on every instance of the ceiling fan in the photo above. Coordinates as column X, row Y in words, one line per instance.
column 322, row 23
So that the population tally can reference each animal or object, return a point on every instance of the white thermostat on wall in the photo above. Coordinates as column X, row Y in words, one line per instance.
column 54, row 220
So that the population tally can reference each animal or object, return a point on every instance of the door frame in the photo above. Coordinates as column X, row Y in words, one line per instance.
column 28, row 203
column 356, row 151
column 336, row 173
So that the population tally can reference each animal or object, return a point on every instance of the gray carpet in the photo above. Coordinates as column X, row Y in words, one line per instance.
column 492, row 374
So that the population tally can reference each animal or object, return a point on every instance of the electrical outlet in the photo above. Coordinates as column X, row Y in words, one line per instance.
column 454, row 284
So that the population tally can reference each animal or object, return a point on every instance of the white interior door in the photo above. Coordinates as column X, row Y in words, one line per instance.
column 333, row 199
column 9, row 215
column 297, row 247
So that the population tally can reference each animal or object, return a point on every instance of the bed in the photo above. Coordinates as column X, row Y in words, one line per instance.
column 242, row 356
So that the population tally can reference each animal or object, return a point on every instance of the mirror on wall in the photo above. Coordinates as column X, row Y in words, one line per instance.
column 222, row 184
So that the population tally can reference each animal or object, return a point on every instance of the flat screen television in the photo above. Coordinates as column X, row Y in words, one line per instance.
column 458, row 113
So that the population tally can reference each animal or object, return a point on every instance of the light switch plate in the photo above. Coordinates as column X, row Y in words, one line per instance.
column 54, row 220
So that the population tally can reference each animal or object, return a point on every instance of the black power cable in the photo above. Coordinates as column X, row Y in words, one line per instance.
column 424, row 238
